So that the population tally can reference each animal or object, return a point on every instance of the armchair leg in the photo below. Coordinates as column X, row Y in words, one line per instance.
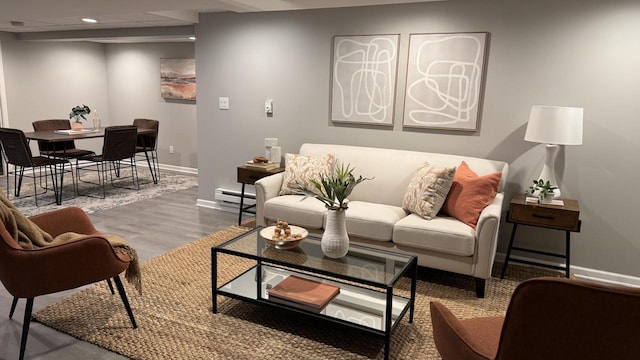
column 13, row 307
column 480, row 286
column 110, row 286
column 125, row 301
column 25, row 326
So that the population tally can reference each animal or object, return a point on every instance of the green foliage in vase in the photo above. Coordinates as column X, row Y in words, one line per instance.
column 79, row 112
column 540, row 188
column 334, row 189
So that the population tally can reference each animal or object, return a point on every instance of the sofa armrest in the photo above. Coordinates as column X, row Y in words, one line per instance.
column 487, row 237
column 266, row 188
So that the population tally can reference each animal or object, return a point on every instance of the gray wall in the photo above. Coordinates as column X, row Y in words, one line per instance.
column 568, row 53
column 44, row 80
column 134, row 92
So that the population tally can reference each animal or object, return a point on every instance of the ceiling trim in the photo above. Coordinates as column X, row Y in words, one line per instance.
column 97, row 34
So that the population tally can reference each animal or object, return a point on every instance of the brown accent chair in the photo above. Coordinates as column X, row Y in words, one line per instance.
column 63, row 149
column 31, row 273
column 148, row 144
column 547, row 318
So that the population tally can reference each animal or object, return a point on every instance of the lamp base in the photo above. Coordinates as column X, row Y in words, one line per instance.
column 548, row 172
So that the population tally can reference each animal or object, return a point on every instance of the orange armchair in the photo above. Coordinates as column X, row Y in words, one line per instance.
column 89, row 259
column 547, row 318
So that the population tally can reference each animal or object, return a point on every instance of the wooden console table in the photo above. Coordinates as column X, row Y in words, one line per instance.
column 558, row 217
column 248, row 175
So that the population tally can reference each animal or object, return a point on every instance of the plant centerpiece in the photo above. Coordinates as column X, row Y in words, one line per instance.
column 78, row 113
column 541, row 189
column 333, row 191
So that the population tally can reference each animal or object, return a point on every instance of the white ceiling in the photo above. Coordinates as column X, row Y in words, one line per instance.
column 36, row 16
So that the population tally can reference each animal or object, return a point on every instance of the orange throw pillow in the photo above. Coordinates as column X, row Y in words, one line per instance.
column 469, row 194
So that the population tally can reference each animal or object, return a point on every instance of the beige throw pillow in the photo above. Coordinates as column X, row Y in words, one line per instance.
column 299, row 168
column 428, row 190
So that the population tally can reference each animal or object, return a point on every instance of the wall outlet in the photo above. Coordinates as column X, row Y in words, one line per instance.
column 170, row 149
column 223, row 103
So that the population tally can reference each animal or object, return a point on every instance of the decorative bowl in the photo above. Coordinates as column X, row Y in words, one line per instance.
column 267, row 235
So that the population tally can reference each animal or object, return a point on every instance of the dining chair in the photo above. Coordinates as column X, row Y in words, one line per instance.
column 547, row 318
column 18, row 153
column 148, row 144
column 63, row 149
column 28, row 273
column 118, row 150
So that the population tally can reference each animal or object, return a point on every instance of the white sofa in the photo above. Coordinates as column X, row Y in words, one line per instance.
column 375, row 216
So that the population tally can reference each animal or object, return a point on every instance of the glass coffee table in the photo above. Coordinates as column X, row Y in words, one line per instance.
column 366, row 278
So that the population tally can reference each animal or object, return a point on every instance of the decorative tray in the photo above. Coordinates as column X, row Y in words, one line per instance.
column 289, row 243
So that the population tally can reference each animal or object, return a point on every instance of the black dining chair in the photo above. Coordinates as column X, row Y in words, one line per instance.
column 148, row 144
column 63, row 149
column 18, row 153
column 118, row 151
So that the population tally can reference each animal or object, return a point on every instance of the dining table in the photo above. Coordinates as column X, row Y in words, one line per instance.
column 54, row 136
column 59, row 136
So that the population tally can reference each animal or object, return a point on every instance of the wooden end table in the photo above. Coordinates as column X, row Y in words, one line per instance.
column 249, row 175
column 558, row 217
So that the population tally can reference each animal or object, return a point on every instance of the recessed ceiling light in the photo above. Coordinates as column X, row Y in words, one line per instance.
column 89, row 20
column 192, row 37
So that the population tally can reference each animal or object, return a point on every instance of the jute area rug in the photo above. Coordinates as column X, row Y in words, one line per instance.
column 175, row 319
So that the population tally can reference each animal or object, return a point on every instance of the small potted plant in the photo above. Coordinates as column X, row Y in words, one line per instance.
column 79, row 113
column 334, row 189
column 543, row 190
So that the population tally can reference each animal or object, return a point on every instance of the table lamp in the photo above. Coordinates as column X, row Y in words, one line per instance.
column 553, row 126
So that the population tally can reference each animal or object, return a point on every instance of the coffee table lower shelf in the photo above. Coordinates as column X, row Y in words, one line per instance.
column 355, row 306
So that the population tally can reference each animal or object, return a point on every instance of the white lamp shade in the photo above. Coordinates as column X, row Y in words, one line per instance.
column 555, row 125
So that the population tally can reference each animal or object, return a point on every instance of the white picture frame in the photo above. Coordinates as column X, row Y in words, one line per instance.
column 363, row 79
column 445, row 80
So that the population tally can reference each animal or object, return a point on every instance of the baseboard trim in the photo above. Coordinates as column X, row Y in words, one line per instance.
column 174, row 168
column 581, row 272
column 218, row 205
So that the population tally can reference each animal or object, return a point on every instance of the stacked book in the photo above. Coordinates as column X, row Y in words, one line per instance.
column 303, row 293
column 261, row 166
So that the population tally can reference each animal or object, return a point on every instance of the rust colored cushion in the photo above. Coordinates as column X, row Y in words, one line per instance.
column 469, row 194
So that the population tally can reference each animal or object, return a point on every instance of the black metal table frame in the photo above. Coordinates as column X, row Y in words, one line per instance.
column 411, row 268
column 566, row 255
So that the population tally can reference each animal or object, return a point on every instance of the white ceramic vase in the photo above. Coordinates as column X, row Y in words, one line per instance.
column 335, row 240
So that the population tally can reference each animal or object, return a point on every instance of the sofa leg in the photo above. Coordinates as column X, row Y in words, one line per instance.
column 480, row 285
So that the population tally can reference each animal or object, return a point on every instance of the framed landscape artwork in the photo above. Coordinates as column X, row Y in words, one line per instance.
column 178, row 79
column 363, row 79
column 444, row 80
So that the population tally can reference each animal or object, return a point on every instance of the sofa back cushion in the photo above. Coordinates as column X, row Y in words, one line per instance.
column 393, row 169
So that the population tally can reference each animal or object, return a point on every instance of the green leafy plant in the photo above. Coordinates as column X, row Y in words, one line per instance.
column 79, row 112
column 334, row 189
column 541, row 189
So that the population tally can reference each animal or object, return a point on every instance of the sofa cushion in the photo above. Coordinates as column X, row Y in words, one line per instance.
column 299, row 168
column 441, row 234
column 469, row 194
column 296, row 209
column 372, row 221
column 427, row 190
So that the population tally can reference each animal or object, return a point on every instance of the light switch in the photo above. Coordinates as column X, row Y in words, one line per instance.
column 223, row 103
column 268, row 107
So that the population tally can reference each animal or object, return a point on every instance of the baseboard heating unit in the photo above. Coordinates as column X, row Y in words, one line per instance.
column 229, row 200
